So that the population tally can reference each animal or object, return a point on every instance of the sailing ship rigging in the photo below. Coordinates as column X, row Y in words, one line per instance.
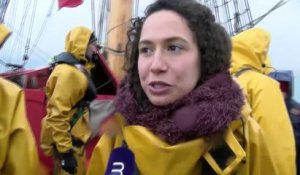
column 234, row 15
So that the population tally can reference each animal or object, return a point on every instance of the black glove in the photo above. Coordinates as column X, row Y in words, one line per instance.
column 68, row 162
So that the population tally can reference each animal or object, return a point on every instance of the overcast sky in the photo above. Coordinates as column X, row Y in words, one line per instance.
column 283, row 24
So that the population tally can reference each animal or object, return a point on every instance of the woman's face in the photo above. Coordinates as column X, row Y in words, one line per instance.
column 168, row 62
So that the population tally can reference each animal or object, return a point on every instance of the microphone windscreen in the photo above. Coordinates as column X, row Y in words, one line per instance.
column 121, row 162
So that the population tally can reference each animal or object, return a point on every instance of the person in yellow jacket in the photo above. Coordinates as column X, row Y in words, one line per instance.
column 179, row 109
column 4, row 34
column 249, row 60
column 65, row 128
column 18, row 152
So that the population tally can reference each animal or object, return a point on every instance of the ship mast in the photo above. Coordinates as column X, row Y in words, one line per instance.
column 121, row 12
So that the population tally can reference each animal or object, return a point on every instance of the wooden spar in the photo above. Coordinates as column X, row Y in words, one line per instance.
column 121, row 12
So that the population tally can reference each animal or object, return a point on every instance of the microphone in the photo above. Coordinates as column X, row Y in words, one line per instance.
column 121, row 162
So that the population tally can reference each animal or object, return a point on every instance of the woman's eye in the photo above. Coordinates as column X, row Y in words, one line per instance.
column 145, row 51
column 174, row 48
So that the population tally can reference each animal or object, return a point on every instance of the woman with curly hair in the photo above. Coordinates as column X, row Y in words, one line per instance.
column 180, row 110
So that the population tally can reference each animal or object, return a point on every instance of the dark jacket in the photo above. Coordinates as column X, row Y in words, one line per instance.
column 293, row 107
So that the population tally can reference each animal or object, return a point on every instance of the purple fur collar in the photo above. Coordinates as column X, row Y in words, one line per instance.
column 205, row 111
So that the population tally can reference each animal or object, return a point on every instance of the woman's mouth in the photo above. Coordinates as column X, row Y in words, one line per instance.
column 158, row 87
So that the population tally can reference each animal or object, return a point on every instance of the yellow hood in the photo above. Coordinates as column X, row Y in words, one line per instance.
column 4, row 34
column 250, row 49
column 77, row 41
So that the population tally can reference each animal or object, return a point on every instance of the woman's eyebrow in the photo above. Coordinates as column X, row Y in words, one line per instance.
column 170, row 39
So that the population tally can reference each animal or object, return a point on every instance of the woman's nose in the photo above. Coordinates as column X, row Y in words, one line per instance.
column 158, row 64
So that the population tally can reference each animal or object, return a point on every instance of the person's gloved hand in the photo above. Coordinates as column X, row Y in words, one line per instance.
column 68, row 162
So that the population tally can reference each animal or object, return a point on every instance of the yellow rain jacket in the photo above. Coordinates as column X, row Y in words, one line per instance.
column 18, row 152
column 154, row 156
column 250, row 50
column 65, row 87
column 4, row 34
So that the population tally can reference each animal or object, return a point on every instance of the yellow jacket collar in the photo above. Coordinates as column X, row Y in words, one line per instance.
column 172, row 159
column 177, row 159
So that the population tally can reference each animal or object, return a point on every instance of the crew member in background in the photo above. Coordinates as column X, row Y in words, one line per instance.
column 18, row 152
column 249, row 59
column 286, row 80
column 65, row 129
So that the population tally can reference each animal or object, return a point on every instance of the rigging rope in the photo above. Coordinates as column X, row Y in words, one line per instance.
column 111, row 50
column 2, row 62
column 275, row 7
column 10, row 18
column 237, row 19
column 22, row 39
column 15, row 45
column 27, row 45
column 108, row 10
column 101, row 20
column 4, row 54
column 40, row 53
column 93, row 14
column 136, row 8
column 42, row 28
column 4, row 5
column 249, row 14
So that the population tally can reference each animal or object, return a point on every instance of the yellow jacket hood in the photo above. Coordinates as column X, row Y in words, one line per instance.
column 77, row 41
column 250, row 49
column 4, row 34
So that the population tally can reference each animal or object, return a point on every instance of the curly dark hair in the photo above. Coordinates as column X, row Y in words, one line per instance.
column 213, row 42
